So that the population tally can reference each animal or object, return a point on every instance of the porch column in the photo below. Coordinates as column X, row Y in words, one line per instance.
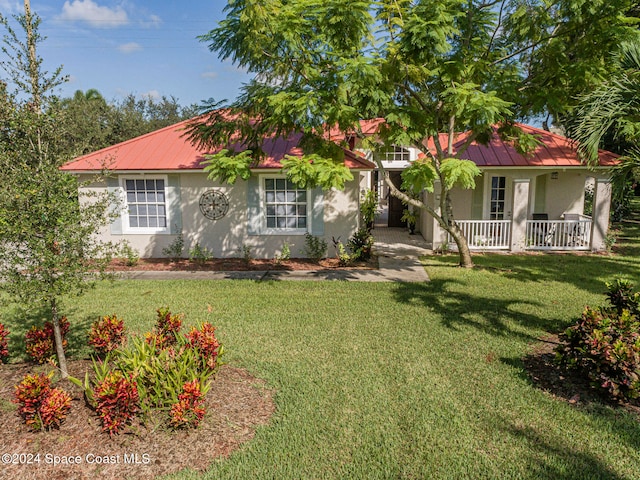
column 519, row 217
column 600, row 215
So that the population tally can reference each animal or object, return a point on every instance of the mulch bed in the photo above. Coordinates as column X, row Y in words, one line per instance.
column 567, row 385
column 238, row 264
column 236, row 404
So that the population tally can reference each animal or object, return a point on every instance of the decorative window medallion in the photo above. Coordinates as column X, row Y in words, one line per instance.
column 214, row 204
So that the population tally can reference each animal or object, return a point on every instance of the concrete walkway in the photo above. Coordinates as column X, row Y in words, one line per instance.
column 397, row 253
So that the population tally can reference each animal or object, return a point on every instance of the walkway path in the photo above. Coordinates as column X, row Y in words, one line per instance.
column 397, row 252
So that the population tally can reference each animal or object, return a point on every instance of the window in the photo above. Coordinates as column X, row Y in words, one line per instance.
column 146, row 202
column 394, row 154
column 285, row 205
column 498, row 191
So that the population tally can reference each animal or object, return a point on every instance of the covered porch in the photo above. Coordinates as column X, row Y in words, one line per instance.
column 524, row 231
column 562, row 235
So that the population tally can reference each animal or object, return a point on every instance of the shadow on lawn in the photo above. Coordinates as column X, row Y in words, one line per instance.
column 586, row 271
column 539, row 369
column 553, row 459
column 486, row 313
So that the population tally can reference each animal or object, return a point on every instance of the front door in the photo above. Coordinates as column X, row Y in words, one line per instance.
column 396, row 207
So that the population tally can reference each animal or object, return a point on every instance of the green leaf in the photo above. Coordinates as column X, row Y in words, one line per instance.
column 460, row 173
column 226, row 166
column 419, row 176
column 313, row 170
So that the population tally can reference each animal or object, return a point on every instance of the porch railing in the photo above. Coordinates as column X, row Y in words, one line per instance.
column 485, row 234
column 559, row 234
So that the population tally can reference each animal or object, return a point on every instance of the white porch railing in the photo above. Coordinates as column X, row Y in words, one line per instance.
column 485, row 234
column 559, row 234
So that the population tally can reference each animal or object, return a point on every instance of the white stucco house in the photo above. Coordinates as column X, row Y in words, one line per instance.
column 165, row 192
column 533, row 202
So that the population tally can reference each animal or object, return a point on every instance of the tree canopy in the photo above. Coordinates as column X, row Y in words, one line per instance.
column 426, row 68
column 609, row 117
column 91, row 122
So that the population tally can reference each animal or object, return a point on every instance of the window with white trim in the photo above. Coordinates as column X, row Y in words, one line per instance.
column 286, row 205
column 146, row 204
column 394, row 153
column 498, row 198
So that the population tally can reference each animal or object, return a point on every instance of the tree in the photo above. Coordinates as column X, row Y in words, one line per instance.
column 92, row 123
column 609, row 116
column 48, row 242
column 87, row 120
column 429, row 69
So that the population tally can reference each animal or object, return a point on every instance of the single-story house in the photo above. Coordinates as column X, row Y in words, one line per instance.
column 165, row 192
column 521, row 202
column 533, row 202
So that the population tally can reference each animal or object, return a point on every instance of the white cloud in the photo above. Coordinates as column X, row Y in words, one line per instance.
column 95, row 15
column 153, row 94
column 8, row 7
column 154, row 21
column 130, row 47
column 209, row 75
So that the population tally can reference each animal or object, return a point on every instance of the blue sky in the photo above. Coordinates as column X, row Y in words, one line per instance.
column 141, row 47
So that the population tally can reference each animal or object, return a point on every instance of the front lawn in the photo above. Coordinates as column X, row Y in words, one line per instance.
column 402, row 380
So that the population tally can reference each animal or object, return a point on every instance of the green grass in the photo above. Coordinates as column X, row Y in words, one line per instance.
column 402, row 380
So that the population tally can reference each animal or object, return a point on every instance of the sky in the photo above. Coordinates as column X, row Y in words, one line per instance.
column 139, row 47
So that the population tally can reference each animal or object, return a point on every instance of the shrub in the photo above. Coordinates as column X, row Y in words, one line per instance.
column 170, row 382
column 174, row 249
column 54, row 408
column 39, row 342
column 314, row 247
column 116, row 401
column 199, row 254
column 4, row 347
column 605, row 343
column 247, row 255
column 41, row 406
column 189, row 410
column 162, row 374
column 107, row 334
column 204, row 339
column 369, row 208
column 344, row 256
column 284, row 255
column 130, row 254
column 166, row 330
column 360, row 244
column 622, row 297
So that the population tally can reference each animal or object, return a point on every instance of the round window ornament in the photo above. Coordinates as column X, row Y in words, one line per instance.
column 214, row 204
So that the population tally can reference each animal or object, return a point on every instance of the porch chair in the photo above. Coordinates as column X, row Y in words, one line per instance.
column 573, row 228
column 540, row 232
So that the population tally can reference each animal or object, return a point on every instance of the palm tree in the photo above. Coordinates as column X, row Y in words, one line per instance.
column 612, row 112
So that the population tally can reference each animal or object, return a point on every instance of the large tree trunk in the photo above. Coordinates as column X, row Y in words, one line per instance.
column 57, row 335
column 463, row 245
column 445, row 220
column 450, row 225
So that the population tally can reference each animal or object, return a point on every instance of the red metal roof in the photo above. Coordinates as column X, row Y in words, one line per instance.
column 168, row 149
column 553, row 151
